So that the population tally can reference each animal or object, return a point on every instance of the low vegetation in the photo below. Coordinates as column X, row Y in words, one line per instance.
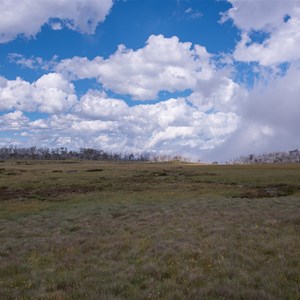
column 62, row 153
column 292, row 156
column 117, row 230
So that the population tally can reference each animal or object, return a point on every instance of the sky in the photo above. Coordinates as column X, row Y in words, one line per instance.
column 205, row 79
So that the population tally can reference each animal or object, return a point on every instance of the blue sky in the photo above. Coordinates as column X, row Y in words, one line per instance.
column 209, row 80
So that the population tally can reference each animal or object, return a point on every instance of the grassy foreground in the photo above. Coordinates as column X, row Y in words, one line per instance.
column 99, row 230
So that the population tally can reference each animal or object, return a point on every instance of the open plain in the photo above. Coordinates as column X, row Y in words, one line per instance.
column 117, row 230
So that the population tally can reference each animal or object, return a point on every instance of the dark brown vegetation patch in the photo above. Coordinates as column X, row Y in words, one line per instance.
column 53, row 192
column 270, row 191
column 49, row 193
column 94, row 170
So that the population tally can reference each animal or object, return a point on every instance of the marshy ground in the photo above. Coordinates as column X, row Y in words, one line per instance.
column 111, row 230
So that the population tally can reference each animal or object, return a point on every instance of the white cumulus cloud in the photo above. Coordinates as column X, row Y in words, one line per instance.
column 219, row 94
column 163, row 64
column 49, row 94
column 26, row 17
column 283, row 45
column 95, row 105
column 13, row 121
column 278, row 20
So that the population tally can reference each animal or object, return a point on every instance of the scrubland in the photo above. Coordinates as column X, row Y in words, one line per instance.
column 116, row 230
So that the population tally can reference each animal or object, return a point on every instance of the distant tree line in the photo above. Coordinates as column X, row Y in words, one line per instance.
column 292, row 156
column 62, row 153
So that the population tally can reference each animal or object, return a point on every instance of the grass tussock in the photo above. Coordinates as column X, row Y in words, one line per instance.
column 149, row 231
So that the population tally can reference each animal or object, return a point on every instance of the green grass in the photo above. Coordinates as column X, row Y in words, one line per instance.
column 103, row 230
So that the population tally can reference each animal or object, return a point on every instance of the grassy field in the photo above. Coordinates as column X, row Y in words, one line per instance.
column 100, row 230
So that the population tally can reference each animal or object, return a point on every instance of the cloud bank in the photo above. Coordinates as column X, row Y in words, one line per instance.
column 218, row 119
column 182, row 125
